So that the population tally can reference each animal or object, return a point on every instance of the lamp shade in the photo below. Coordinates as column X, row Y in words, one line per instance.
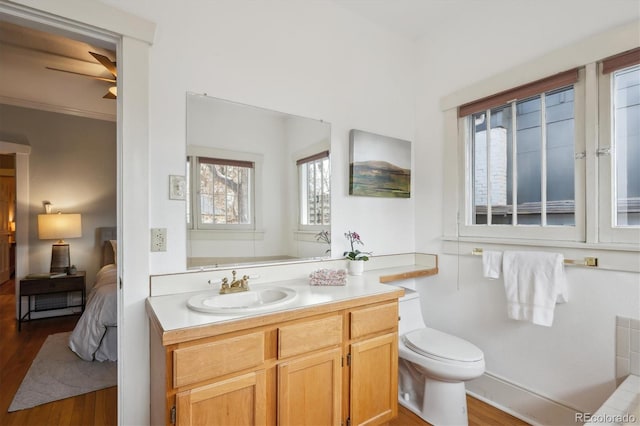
column 59, row 226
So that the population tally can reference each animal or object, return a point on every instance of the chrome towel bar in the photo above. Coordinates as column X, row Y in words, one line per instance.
column 591, row 262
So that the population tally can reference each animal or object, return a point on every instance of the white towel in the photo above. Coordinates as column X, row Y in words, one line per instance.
column 491, row 264
column 534, row 282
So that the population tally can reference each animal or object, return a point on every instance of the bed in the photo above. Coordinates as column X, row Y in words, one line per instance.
column 94, row 337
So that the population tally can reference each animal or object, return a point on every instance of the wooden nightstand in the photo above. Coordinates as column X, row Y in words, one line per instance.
column 36, row 286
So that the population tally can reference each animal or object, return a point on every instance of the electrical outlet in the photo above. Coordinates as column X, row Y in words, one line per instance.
column 158, row 239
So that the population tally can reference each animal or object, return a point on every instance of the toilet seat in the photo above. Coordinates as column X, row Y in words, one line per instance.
column 436, row 344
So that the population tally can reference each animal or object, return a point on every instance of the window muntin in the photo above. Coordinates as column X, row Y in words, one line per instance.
column 224, row 193
column 522, row 156
column 625, row 100
column 315, row 190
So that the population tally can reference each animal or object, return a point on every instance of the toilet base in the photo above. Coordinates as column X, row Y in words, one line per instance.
column 435, row 401
column 445, row 403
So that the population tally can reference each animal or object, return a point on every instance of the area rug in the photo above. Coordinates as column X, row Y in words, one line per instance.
column 58, row 373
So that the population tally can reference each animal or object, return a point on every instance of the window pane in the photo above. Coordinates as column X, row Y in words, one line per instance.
column 500, row 165
column 224, row 194
column 560, row 157
column 626, row 146
column 479, row 159
column 528, row 162
column 315, row 193
column 495, row 148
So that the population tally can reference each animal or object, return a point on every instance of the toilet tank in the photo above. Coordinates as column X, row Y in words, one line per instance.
column 410, row 312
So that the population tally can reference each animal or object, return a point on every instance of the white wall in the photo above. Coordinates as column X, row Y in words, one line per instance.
column 72, row 165
column 312, row 59
column 573, row 362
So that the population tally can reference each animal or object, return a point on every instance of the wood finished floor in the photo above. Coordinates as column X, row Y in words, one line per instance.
column 17, row 351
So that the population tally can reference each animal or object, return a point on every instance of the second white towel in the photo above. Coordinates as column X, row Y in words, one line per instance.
column 534, row 282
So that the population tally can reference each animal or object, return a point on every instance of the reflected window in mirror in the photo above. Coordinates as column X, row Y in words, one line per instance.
column 222, row 196
column 314, row 191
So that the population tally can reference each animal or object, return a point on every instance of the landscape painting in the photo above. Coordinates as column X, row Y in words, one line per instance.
column 380, row 166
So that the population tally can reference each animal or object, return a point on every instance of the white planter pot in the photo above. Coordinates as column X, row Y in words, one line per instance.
column 356, row 267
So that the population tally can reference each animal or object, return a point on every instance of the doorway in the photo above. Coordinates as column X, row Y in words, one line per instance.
column 7, row 216
column 133, row 37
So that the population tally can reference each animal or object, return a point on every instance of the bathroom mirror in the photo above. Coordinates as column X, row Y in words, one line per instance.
column 258, row 184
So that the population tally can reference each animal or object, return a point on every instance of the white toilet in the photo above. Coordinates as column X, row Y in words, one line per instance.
column 433, row 367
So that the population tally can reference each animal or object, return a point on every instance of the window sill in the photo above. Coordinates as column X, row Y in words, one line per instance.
column 613, row 257
column 308, row 236
column 223, row 234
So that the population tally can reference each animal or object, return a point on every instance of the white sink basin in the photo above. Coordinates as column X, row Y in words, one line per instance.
column 246, row 301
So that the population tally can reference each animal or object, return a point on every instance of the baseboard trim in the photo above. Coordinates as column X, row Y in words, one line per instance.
column 520, row 402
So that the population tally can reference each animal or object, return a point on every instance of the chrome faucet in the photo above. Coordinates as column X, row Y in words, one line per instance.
column 236, row 285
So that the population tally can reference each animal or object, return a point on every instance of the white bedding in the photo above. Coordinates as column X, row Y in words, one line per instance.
column 93, row 338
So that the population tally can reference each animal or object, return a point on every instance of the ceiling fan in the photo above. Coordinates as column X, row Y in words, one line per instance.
column 109, row 65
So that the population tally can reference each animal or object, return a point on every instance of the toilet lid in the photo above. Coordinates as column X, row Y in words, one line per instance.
column 430, row 342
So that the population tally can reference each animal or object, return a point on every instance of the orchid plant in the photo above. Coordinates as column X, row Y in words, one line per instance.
column 355, row 254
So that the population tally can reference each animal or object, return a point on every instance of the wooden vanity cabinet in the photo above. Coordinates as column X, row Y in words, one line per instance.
column 373, row 359
column 304, row 368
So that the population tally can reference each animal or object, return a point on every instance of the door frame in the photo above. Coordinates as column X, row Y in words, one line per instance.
column 132, row 37
column 22, row 153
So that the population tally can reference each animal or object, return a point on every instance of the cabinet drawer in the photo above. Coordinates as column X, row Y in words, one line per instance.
column 308, row 336
column 372, row 320
column 202, row 362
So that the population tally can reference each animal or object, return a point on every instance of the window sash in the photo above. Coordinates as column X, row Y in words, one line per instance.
column 518, row 231
column 497, row 178
column 198, row 199
column 608, row 232
column 314, row 191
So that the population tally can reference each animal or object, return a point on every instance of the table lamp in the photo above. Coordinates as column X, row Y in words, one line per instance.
column 59, row 226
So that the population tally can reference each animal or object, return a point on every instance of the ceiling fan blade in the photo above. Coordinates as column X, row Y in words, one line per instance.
column 108, row 80
column 106, row 62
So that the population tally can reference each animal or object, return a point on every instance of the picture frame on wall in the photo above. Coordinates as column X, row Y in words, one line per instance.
column 379, row 166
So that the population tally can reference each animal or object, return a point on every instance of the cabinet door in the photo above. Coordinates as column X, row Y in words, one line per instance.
column 236, row 401
column 310, row 390
column 374, row 380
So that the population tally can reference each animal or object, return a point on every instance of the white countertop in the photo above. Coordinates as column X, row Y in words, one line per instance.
column 173, row 314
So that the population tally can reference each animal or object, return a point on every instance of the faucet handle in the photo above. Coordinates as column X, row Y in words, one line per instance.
column 225, row 283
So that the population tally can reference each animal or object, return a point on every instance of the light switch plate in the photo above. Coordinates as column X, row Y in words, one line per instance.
column 177, row 187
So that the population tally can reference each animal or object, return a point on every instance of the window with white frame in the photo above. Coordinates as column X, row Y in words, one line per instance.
column 314, row 190
column 221, row 193
column 520, row 169
column 619, row 148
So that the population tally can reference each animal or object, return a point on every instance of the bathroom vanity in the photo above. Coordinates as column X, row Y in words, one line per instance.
column 329, row 357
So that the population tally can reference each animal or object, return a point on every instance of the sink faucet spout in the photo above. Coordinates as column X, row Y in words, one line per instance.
column 236, row 285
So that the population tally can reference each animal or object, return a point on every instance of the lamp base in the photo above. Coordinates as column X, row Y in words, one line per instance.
column 60, row 258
